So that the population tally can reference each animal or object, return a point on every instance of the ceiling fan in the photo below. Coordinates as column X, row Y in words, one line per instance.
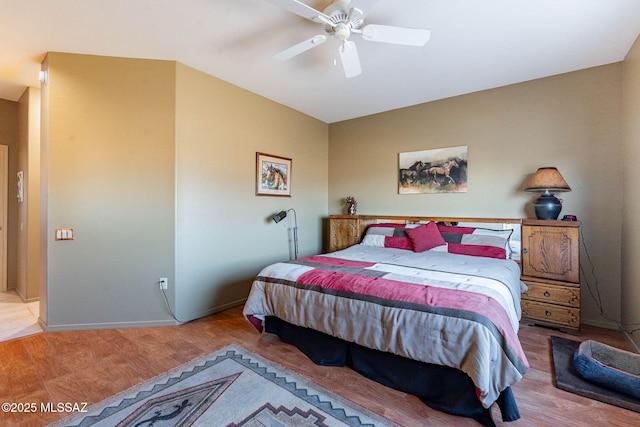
column 341, row 19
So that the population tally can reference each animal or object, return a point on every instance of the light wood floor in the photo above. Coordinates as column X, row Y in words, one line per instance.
column 88, row 366
column 17, row 318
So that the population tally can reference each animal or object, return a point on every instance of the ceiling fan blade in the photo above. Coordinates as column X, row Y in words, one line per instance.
column 303, row 10
column 364, row 6
column 300, row 47
column 396, row 35
column 350, row 60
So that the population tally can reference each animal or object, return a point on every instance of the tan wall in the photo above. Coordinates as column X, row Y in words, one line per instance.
column 153, row 164
column 571, row 121
column 122, row 135
column 28, row 229
column 9, row 137
column 108, row 163
column 631, row 204
column 224, row 233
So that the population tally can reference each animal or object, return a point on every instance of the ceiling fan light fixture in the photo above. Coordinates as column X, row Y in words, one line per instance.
column 342, row 31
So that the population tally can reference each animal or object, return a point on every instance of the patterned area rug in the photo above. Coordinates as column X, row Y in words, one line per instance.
column 230, row 387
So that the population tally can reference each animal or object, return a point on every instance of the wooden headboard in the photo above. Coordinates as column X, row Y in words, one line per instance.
column 347, row 230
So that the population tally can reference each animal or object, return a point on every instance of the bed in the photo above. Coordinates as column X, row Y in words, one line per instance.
column 429, row 308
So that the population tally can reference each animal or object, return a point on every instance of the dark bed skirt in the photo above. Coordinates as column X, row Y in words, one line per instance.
column 442, row 388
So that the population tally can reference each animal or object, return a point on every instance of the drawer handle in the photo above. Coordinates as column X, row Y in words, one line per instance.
column 525, row 250
column 547, row 313
column 547, row 294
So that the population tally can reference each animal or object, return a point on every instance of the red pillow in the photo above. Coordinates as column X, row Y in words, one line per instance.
column 425, row 237
column 397, row 242
column 478, row 250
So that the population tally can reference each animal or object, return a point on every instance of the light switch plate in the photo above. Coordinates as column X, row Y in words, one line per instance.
column 64, row 233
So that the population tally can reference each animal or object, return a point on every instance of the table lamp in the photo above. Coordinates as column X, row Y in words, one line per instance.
column 547, row 181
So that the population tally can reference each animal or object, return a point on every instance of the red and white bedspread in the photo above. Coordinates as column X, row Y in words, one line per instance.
column 435, row 307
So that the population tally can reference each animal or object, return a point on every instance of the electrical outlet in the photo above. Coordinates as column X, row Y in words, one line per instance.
column 163, row 282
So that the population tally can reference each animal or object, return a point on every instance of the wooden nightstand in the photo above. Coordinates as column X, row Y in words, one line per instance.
column 344, row 231
column 551, row 270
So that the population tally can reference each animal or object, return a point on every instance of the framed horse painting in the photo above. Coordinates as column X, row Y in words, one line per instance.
column 443, row 170
column 273, row 175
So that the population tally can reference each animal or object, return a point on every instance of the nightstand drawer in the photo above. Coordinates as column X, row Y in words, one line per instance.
column 553, row 294
column 550, row 313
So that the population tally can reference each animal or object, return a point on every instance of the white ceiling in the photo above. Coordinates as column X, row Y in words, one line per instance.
column 475, row 45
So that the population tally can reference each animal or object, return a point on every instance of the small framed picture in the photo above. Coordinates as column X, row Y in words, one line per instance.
column 273, row 175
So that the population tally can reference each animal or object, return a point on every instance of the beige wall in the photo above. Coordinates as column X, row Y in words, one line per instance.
column 28, row 229
column 9, row 137
column 153, row 163
column 108, row 163
column 631, row 204
column 571, row 121
column 224, row 234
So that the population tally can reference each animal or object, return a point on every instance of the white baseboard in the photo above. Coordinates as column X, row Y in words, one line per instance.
column 213, row 310
column 144, row 324
column 612, row 325
column 599, row 323
column 634, row 344
column 106, row 325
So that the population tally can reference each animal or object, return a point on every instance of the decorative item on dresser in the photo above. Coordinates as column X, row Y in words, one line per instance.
column 551, row 270
column 352, row 205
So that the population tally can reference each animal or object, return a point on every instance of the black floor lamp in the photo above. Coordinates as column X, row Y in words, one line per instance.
column 282, row 215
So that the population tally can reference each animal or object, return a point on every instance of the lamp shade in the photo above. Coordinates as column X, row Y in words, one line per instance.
column 547, row 180
column 279, row 216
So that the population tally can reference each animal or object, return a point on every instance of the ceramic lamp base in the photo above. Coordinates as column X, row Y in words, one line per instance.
column 547, row 206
